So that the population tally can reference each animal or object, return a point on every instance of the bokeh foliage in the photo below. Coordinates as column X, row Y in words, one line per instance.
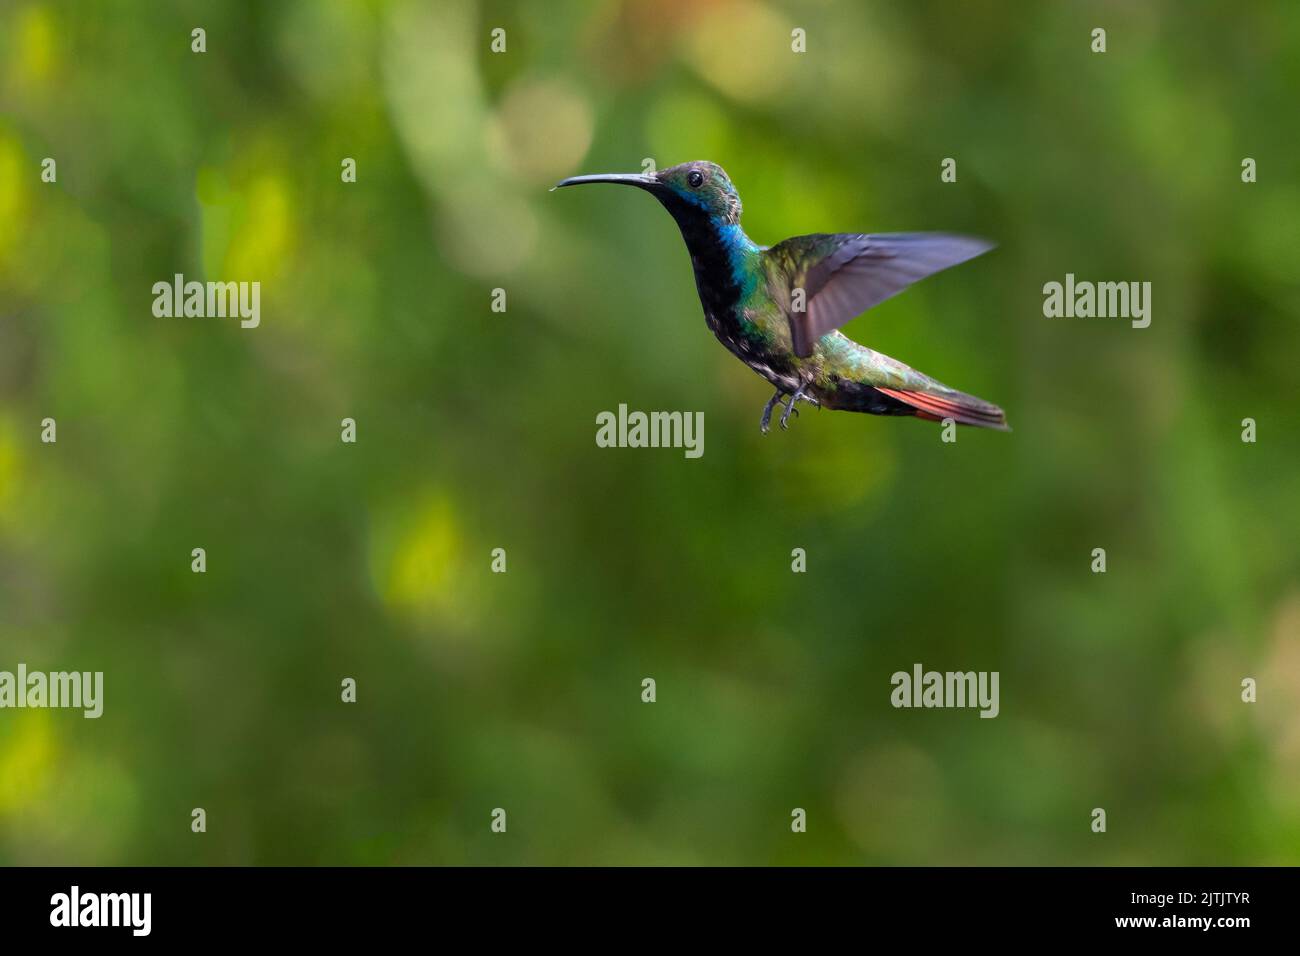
column 476, row 431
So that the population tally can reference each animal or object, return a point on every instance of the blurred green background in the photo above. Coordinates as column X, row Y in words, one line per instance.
column 476, row 431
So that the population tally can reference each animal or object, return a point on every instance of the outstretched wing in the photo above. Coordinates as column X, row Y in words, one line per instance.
column 845, row 274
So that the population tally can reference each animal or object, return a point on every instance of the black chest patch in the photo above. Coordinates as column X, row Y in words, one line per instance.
column 720, row 294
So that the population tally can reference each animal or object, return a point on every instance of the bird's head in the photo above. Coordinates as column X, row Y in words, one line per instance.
column 696, row 190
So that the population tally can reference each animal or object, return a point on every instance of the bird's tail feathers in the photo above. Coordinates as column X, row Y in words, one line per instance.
column 960, row 407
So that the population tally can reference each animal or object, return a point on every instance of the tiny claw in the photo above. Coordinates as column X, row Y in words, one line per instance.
column 789, row 409
column 766, row 421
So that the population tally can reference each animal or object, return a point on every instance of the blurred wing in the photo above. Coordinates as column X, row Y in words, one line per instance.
column 844, row 275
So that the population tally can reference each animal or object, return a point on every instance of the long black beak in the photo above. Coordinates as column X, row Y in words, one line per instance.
column 627, row 179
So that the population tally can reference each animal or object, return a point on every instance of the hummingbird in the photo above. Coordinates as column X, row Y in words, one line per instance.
column 778, row 308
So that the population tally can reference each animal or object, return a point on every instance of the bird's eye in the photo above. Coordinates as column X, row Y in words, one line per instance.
column 696, row 179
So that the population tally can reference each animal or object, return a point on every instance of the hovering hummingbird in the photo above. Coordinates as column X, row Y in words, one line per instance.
column 778, row 308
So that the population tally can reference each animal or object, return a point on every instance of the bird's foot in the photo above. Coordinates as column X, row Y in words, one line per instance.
column 787, row 402
column 766, row 421
column 789, row 406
